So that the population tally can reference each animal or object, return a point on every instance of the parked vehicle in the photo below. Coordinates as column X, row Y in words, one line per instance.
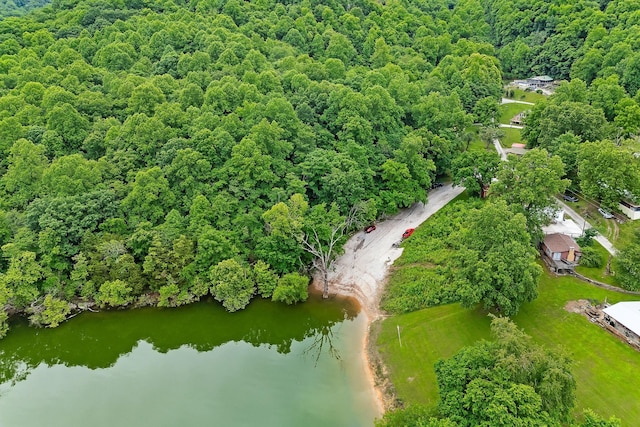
column 369, row 228
column 436, row 185
column 570, row 198
column 408, row 232
column 605, row 214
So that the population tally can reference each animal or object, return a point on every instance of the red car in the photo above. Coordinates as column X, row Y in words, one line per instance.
column 408, row 232
column 369, row 228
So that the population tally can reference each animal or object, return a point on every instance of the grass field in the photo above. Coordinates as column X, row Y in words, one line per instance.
column 511, row 136
column 604, row 367
column 627, row 233
column 528, row 96
column 508, row 111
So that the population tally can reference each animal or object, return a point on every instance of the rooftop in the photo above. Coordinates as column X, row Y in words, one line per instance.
column 627, row 313
column 558, row 242
column 542, row 78
column 518, row 151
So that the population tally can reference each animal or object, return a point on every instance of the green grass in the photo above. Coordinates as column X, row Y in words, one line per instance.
column 508, row 111
column 590, row 212
column 627, row 233
column 606, row 369
column 599, row 274
column 511, row 136
column 528, row 96
column 476, row 144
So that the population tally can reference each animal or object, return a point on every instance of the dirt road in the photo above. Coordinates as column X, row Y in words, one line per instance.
column 361, row 271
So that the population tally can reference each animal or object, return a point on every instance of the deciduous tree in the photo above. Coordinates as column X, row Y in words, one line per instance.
column 608, row 173
column 531, row 182
column 475, row 170
column 231, row 284
column 506, row 382
column 495, row 264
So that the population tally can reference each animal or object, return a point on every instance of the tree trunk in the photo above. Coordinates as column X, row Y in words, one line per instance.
column 325, row 284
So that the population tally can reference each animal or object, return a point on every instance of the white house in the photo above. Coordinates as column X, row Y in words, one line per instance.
column 625, row 317
column 630, row 209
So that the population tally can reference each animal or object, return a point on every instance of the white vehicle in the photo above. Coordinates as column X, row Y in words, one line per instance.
column 605, row 214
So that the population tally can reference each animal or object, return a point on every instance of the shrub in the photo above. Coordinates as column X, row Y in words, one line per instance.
column 587, row 237
column 591, row 258
column 292, row 288
column 114, row 293
column 52, row 312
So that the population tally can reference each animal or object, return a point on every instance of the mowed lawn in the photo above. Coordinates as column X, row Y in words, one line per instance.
column 605, row 368
column 509, row 111
column 528, row 96
column 511, row 136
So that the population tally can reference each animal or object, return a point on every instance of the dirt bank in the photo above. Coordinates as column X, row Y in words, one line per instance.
column 361, row 272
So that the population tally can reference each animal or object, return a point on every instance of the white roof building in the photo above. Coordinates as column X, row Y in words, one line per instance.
column 626, row 313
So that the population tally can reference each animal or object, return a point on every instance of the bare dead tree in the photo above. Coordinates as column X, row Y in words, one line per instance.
column 324, row 254
column 325, row 248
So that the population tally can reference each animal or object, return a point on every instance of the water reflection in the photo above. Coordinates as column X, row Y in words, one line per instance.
column 323, row 341
column 98, row 340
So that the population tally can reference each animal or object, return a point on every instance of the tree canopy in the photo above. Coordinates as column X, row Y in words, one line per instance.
column 505, row 382
column 144, row 144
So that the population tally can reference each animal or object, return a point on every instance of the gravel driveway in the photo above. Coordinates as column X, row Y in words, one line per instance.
column 362, row 269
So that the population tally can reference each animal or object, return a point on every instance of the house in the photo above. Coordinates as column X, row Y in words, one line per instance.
column 625, row 318
column 516, row 149
column 630, row 209
column 518, row 119
column 539, row 81
column 560, row 252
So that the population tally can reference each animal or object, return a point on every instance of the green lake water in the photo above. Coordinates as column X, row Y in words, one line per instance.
column 268, row 365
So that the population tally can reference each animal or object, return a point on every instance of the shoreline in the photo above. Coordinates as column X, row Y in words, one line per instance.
column 362, row 272
column 376, row 370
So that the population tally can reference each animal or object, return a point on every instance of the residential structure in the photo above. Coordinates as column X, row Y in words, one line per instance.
column 624, row 317
column 518, row 119
column 630, row 209
column 539, row 81
column 560, row 252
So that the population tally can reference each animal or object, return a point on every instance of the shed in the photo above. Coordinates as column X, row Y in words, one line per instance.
column 625, row 317
column 518, row 151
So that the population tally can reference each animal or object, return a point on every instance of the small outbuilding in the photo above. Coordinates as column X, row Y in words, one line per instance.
column 625, row 318
column 518, row 119
column 561, row 252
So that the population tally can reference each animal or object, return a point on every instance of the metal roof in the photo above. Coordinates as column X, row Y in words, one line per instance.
column 627, row 313
column 542, row 78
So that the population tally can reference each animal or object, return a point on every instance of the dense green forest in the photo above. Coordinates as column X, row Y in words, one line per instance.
column 182, row 149
column 19, row 7
column 158, row 151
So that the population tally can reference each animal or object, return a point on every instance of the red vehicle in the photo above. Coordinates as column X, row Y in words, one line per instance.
column 408, row 232
column 369, row 228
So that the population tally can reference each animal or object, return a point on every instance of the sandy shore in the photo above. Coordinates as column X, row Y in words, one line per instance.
column 361, row 272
